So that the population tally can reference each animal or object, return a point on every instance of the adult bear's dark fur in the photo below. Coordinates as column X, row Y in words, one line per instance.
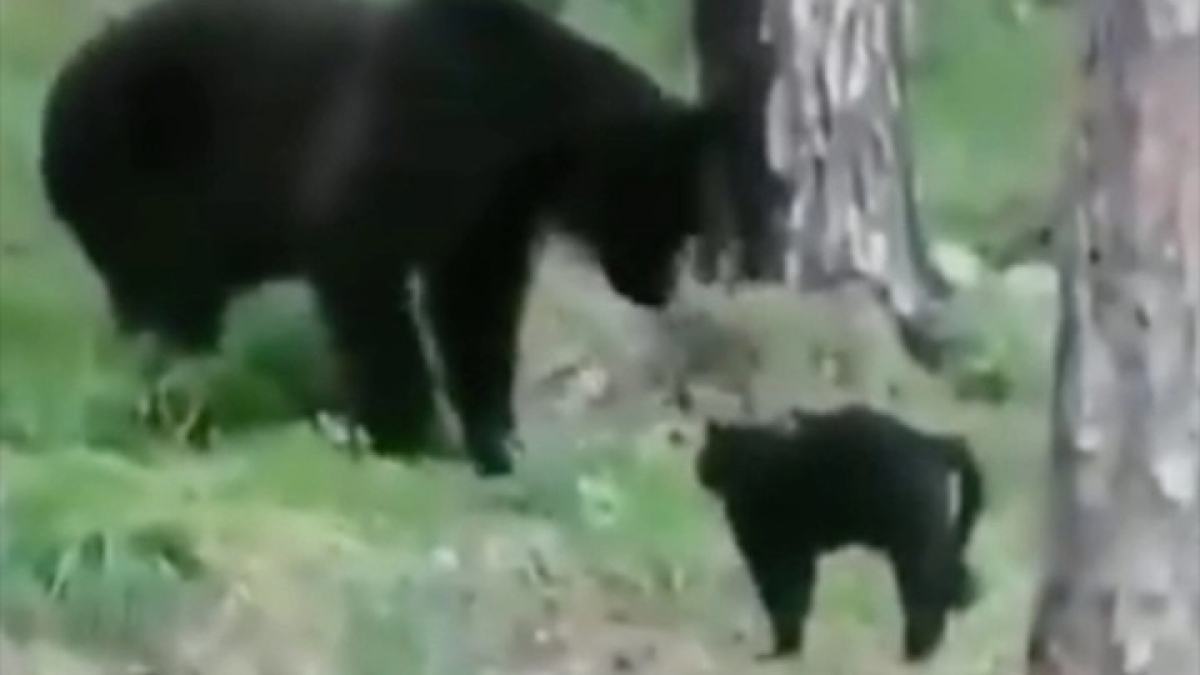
column 200, row 147
column 848, row 476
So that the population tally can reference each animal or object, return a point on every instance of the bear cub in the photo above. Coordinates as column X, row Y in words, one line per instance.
column 849, row 476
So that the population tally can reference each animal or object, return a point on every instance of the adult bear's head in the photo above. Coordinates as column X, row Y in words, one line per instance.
column 631, row 188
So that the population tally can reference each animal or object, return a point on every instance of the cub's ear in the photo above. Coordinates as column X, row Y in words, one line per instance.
column 680, row 397
column 717, row 431
column 798, row 418
column 712, row 428
column 710, row 458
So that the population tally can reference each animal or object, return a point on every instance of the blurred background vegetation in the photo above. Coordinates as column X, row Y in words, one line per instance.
column 272, row 554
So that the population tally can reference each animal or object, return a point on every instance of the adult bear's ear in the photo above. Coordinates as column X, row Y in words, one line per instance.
column 954, row 440
column 707, row 124
column 948, row 437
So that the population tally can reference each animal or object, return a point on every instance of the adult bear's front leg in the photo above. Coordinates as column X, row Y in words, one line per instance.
column 474, row 302
column 375, row 333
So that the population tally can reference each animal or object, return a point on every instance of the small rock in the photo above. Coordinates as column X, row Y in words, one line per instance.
column 601, row 500
column 446, row 559
column 958, row 263
column 594, row 384
column 1031, row 280
column 539, row 567
column 619, row 616
column 624, row 663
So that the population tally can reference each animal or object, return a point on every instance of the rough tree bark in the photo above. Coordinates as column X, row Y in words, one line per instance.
column 1121, row 594
column 837, row 132
column 822, row 175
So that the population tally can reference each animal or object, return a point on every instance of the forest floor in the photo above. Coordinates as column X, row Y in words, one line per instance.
column 273, row 552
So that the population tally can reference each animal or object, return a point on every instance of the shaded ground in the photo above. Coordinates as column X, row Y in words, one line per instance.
column 274, row 553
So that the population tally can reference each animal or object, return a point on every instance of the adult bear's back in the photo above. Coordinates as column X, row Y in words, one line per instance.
column 223, row 102
column 155, row 97
column 201, row 147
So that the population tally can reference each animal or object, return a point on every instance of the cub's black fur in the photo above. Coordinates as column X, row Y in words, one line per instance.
column 850, row 476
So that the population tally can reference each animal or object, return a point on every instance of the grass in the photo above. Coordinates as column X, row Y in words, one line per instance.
column 993, row 89
column 121, row 551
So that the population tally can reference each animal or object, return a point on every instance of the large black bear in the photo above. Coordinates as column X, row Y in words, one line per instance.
column 852, row 475
column 200, row 147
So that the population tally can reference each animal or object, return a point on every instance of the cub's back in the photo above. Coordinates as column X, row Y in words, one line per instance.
column 848, row 475
column 867, row 472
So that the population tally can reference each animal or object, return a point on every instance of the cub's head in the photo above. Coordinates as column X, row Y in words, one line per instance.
column 734, row 455
column 713, row 457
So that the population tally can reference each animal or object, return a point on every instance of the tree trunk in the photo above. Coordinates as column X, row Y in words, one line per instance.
column 816, row 185
column 837, row 133
column 735, row 67
column 1121, row 593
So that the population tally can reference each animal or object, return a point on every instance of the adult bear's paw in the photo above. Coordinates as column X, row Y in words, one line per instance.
column 342, row 432
column 493, row 458
column 178, row 402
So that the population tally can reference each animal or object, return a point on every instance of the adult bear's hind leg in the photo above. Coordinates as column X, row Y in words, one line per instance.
column 475, row 302
column 373, row 328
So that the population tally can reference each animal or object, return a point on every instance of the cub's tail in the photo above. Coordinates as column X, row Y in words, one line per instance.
column 971, row 489
column 957, row 455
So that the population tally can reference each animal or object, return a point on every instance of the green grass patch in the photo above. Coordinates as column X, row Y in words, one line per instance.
column 989, row 115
